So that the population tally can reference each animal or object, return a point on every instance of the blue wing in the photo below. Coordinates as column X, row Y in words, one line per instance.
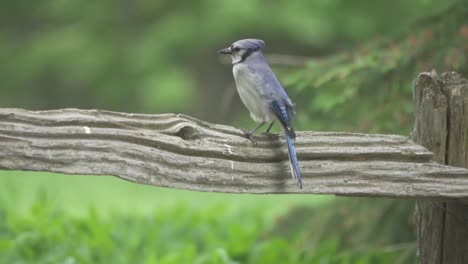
column 284, row 111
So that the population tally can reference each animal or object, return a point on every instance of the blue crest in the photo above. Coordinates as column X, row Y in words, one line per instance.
column 250, row 44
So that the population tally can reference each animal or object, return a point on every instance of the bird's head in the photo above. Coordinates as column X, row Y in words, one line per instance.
column 241, row 49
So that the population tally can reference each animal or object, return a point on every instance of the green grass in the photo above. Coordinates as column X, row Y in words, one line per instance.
column 75, row 194
column 52, row 218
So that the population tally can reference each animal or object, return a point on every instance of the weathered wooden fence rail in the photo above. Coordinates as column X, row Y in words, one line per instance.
column 182, row 152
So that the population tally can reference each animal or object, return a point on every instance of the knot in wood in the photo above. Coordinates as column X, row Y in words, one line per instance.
column 187, row 132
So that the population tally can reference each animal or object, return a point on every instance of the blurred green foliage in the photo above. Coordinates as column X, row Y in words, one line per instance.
column 369, row 88
column 160, row 56
column 358, row 230
column 215, row 234
column 347, row 65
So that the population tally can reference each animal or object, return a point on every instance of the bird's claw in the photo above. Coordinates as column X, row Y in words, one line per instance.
column 249, row 135
column 270, row 135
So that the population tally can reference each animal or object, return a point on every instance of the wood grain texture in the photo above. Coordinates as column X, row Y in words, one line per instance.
column 455, row 244
column 441, row 125
column 179, row 151
column 430, row 130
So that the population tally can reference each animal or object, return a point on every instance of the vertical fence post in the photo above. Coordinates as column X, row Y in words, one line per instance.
column 441, row 125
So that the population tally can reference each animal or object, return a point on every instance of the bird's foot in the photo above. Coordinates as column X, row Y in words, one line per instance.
column 270, row 135
column 249, row 135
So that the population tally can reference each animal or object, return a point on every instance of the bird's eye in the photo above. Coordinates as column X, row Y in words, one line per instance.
column 236, row 49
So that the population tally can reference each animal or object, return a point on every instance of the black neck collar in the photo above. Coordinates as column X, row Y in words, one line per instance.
column 244, row 56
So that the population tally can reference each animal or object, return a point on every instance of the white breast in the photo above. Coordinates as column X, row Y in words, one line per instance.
column 249, row 92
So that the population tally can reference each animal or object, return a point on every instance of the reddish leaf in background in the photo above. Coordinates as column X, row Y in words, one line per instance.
column 428, row 34
column 413, row 41
column 464, row 31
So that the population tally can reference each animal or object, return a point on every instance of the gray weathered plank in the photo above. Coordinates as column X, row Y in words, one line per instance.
column 179, row 151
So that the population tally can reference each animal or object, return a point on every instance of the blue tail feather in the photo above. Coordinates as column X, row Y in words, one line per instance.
column 283, row 112
column 293, row 160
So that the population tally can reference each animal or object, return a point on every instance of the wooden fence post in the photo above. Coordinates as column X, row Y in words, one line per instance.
column 441, row 125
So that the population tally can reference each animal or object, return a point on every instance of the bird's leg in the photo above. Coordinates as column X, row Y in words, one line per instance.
column 267, row 131
column 249, row 133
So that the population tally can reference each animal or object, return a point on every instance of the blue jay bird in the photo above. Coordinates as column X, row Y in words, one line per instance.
column 262, row 94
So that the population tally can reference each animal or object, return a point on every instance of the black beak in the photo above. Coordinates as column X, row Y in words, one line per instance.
column 225, row 51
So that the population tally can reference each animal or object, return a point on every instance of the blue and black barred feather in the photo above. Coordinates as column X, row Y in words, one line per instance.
column 284, row 113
